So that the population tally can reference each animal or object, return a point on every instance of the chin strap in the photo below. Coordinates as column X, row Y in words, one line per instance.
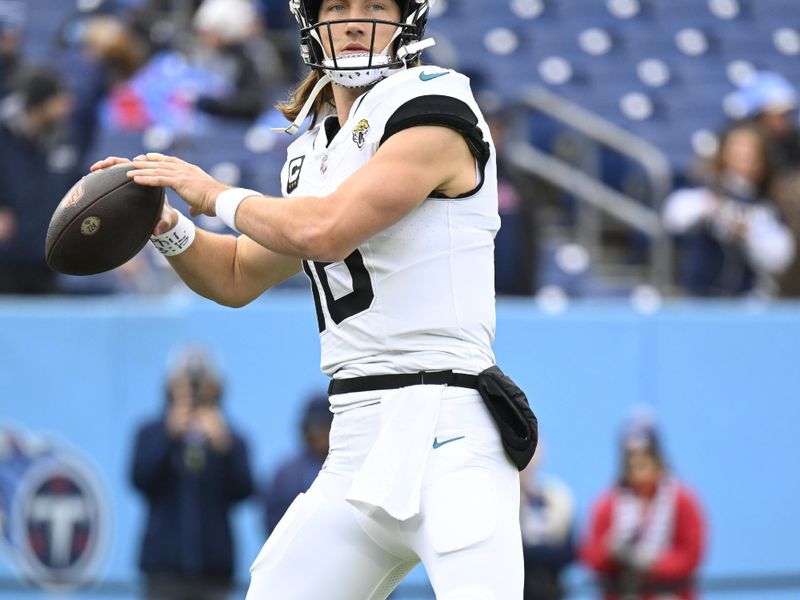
column 415, row 47
column 326, row 79
column 295, row 126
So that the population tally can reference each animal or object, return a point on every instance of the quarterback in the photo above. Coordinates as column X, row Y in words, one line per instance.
column 390, row 209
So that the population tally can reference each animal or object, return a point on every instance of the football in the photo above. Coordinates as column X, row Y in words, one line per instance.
column 102, row 222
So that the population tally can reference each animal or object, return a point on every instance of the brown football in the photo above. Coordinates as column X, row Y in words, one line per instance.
column 102, row 222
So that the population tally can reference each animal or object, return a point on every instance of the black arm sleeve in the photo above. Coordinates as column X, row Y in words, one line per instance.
column 445, row 111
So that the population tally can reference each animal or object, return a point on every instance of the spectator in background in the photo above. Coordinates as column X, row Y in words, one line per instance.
column 787, row 196
column 10, row 41
column 214, row 68
column 547, row 522
column 732, row 238
column 295, row 474
column 37, row 167
column 517, row 242
column 98, row 52
column 163, row 21
column 770, row 101
column 647, row 534
column 279, row 29
column 191, row 468
column 223, row 28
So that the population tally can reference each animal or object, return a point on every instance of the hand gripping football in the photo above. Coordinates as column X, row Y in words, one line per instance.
column 102, row 222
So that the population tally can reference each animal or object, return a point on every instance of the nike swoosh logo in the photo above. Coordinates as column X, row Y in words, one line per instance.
column 428, row 76
column 438, row 444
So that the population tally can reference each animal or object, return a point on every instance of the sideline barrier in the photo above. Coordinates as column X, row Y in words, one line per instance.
column 721, row 377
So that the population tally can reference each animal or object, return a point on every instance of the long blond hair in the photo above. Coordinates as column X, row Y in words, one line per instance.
column 323, row 103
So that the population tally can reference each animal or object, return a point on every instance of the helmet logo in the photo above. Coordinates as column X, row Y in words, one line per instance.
column 360, row 133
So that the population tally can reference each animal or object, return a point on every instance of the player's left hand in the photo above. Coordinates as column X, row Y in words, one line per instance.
column 189, row 181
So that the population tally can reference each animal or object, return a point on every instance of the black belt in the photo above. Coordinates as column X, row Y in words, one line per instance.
column 369, row 383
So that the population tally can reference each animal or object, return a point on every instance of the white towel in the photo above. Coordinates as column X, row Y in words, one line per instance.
column 391, row 476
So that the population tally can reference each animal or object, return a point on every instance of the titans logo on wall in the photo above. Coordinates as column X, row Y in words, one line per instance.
column 53, row 512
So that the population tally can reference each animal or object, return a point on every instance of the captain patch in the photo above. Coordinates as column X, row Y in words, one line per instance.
column 295, row 166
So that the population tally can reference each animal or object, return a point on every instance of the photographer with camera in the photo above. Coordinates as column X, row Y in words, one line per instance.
column 192, row 468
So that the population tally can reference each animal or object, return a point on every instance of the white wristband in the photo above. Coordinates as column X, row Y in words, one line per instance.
column 228, row 203
column 177, row 239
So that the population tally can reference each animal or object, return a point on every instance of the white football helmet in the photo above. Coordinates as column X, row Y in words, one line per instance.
column 360, row 70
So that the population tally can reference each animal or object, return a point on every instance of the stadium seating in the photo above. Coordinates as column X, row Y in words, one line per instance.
column 592, row 53
column 661, row 69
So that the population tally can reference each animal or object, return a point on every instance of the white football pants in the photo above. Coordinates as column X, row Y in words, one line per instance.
column 467, row 533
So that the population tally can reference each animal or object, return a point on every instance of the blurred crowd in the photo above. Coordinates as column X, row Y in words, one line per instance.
column 644, row 538
column 113, row 67
column 169, row 70
column 737, row 230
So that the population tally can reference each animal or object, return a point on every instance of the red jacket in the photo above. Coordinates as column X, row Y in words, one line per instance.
column 677, row 564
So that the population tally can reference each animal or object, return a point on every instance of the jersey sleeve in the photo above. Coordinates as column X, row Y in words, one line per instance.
column 445, row 111
column 445, row 100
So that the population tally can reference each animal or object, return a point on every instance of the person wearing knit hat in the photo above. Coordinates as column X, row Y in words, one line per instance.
column 646, row 535
column 223, row 30
column 191, row 468
column 233, row 21
column 771, row 101
column 42, row 98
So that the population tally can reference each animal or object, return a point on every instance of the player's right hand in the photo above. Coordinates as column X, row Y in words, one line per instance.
column 169, row 216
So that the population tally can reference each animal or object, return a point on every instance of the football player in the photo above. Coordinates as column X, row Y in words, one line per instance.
column 390, row 208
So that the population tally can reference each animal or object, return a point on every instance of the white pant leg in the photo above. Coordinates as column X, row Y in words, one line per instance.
column 469, row 536
column 319, row 549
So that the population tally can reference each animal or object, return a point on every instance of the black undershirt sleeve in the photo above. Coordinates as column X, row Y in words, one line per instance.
column 445, row 111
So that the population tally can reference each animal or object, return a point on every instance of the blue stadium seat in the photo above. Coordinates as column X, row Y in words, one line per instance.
column 127, row 144
column 581, row 13
column 262, row 172
column 788, row 66
column 42, row 19
column 543, row 132
column 648, row 43
column 751, row 44
column 775, row 11
column 560, row 41
column 509, row 77
column 692, row 70
column 691, row 13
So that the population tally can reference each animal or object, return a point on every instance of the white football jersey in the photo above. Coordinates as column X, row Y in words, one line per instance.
column 418, row 296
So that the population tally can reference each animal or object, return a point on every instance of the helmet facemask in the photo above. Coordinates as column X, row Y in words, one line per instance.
column 357, row 70
column 363, row 69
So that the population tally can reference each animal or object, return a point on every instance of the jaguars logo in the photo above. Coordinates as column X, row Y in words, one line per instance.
column 360, row 133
